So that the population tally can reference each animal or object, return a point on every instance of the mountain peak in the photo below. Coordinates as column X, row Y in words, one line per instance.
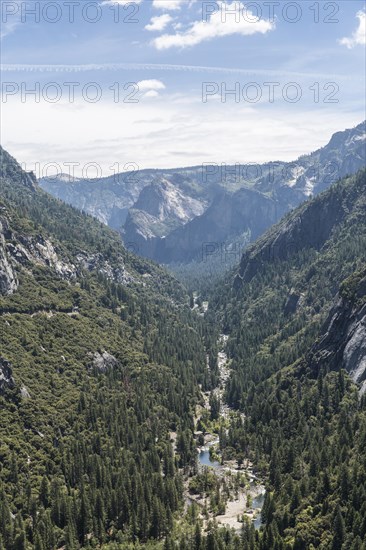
column 11, row 170
column 348, row 137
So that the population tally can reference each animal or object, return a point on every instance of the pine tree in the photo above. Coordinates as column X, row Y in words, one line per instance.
column 44, row 492
column 338, row 529
column 197, row 537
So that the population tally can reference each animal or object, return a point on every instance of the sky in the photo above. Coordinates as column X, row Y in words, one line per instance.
column 94, row 87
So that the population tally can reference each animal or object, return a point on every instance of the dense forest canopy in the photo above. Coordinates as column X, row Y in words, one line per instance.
column 104, row 359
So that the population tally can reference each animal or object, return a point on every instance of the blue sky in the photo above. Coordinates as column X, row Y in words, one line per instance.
column 149, row 80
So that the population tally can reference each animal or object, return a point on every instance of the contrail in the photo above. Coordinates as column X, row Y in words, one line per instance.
column 16, row 67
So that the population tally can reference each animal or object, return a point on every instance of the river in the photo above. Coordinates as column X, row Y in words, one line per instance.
column 255, row 490
column 205, row 460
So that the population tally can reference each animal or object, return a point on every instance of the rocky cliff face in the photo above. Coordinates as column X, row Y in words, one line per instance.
column 19, row 251
column 8, row 278
column 230, row 217
column 343, row 341
column 168, row 204
column 160, row 208
column 309, row 226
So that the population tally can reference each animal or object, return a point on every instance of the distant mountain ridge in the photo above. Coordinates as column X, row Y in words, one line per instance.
column 217, row 204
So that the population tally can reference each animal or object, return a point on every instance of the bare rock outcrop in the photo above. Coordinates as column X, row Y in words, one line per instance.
column 6, row 376
column 343, row 341
column 104, row 361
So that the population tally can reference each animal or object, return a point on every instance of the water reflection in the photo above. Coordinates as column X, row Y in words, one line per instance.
column 257, row 504
column 205, row 460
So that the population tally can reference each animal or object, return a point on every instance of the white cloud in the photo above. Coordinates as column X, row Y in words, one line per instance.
column 168, row 4
column 106, row 132
column 236, row 20
column 152, row 93
column 8, row 28
column 150, row 87
column 10, row 21
column 358, row 37
column 159, row 22
column 147, row 85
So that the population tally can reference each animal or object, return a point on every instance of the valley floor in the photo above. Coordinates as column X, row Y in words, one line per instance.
column 241, row 491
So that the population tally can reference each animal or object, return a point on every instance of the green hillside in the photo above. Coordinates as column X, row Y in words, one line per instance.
column 104, row 357
column 305, row 424
column 104, row 370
